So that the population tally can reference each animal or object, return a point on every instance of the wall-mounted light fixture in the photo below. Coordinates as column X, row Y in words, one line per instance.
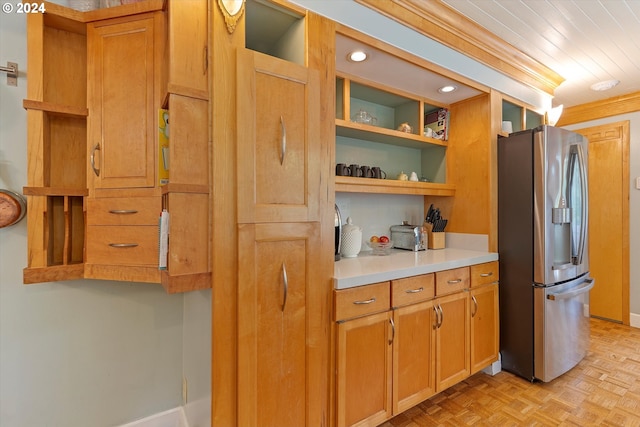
column 553, row 114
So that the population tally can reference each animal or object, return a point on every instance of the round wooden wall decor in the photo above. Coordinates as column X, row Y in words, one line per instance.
column 12, row 208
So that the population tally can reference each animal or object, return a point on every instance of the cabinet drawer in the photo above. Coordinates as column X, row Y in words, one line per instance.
column 483, row 274
column 362, row 300
column 122, row 245
column 412, row 289
column 124, row 211
column 449, row 281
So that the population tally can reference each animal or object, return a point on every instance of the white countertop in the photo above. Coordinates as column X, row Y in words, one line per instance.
column 366, row 268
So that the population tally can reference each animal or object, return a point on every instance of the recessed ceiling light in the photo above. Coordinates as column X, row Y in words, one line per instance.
column 604, row 85
column 358, row 56
column 447, row 89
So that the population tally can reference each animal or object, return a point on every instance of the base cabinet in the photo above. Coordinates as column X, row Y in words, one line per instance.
column 399, row 343
column 452, row 340
column 414, row 358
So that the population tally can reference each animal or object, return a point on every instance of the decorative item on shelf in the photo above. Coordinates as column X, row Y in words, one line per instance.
column 507, row 126
column 402, row 176
column 13, row 207
column 405, row 127
column 351, row 241
column 413, row 177
column 365, row 118
column 438, row 122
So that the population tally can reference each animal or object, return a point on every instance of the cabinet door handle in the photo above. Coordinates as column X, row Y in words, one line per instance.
column 453, row 282
column 393, row 331
column 93, row 159
column 441, row 316
column 205, row 60
column 367, row 301
column 285, row 285
column 123, row 245
column 487, row 274
column 414, row 291
column 123, row 211
column 475, row 306
column 283, row 140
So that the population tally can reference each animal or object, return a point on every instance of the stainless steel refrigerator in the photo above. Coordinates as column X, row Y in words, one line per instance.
column 543, row 248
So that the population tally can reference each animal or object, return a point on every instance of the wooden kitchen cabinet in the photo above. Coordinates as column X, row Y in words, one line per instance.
column 124, row 71
column 364, row 355
column 278, row 126
column 414, row 357
column 485, row 320
column 452, row 339
column 275, row 323
column 96, row 82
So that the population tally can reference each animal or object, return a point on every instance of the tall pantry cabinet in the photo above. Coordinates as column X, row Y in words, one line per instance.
column 270, row 313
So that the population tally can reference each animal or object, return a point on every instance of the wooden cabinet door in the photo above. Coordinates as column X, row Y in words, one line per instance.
column 485, row 325
column 413, row 355
column 364, row 355
column 278, row 147
column 276, row 278
column 452, row 339
column 121, row 135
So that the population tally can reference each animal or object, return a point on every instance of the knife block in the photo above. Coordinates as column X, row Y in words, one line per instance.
column 435, row 240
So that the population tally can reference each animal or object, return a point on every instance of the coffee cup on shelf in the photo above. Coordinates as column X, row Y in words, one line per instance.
column 355, row 170
column 342, row 170
column 366, row 172
column 378, row 173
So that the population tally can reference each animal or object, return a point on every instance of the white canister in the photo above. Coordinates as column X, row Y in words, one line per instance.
column 351, row 240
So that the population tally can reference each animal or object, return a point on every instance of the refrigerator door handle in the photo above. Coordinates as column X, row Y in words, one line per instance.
column 586, row 286
column 576, row 150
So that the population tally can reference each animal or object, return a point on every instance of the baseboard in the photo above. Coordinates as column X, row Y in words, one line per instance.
column 171, row 418
column 634, row 320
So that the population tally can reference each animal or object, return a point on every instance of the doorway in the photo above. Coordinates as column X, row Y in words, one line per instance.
column 609, row 220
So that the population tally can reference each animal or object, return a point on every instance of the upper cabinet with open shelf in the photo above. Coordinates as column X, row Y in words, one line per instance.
column 284, row 35
column 383, row 107
column 520, row 116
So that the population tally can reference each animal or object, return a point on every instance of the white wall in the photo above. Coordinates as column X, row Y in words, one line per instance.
column 82, row 353
column 634, row 205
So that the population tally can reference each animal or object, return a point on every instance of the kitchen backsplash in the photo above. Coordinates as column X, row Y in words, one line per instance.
column 376, row 213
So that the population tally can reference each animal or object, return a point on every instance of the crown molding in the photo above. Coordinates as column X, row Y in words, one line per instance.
column 609, row 107
column 436, row 20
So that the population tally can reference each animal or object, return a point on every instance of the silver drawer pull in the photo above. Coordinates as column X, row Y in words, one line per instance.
column 368, row 301
column 123, row 211
column 487, row 274
column 123, row 245
column 453, row 282
column 414, row 291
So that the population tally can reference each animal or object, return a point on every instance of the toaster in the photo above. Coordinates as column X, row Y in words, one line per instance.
column 409, row 237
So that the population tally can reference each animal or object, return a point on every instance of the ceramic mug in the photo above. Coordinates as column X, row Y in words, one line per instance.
column 355, row 170
column 342, row 170
column 366, row 172
column 378, row 173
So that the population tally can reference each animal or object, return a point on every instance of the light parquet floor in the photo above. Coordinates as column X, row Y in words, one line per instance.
column 603, row 390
